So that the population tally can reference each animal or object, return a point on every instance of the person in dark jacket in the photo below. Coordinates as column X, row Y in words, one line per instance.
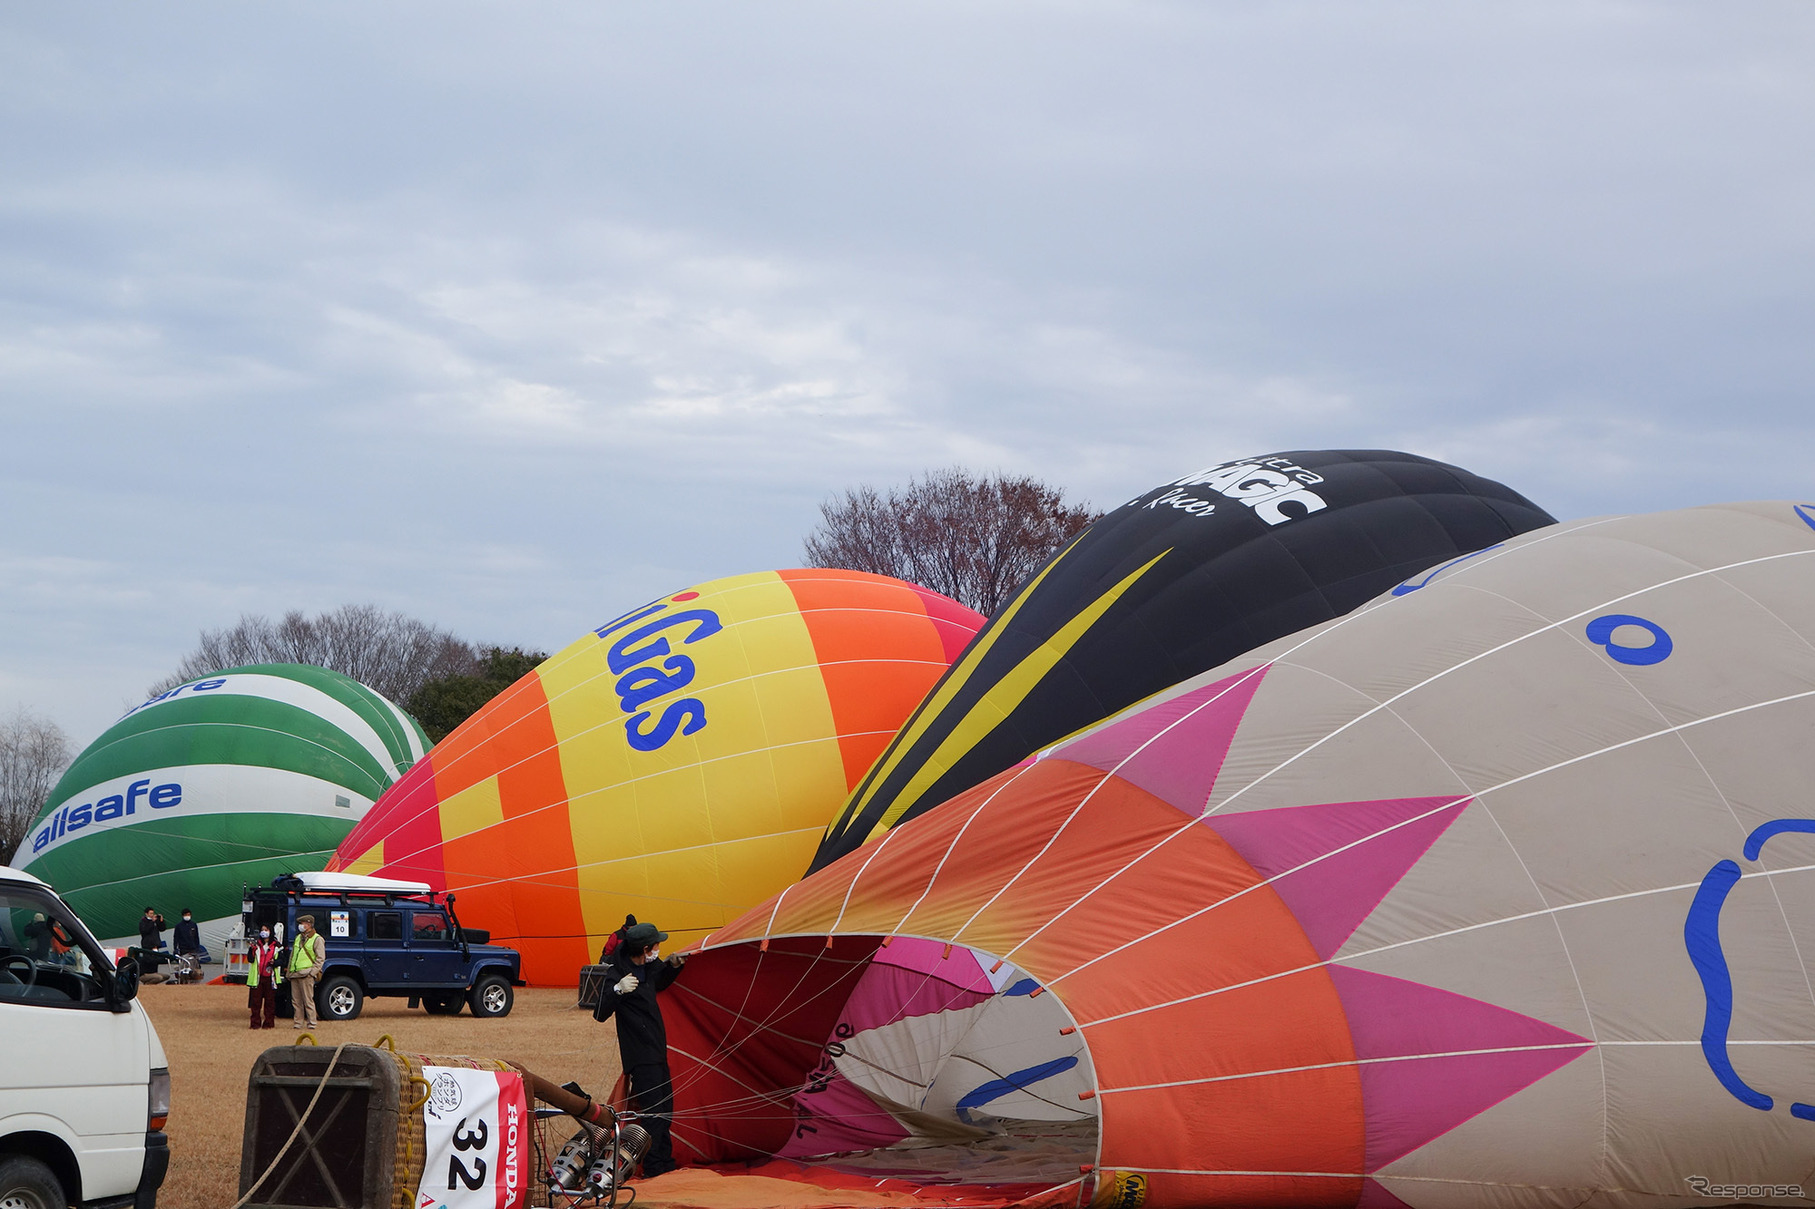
column 188, row 935
column 637, row 974
column 151, row 939
column 151, row 929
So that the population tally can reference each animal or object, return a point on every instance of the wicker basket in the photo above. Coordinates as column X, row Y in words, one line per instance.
column 362, row 1146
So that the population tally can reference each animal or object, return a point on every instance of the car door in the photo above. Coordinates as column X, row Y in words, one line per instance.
column 72, row 1065
column 435, row 957
column 384, row 955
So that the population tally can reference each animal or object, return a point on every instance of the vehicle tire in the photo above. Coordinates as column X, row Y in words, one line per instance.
column 443, row 1003
column 25, row 1183
column 340, row 998
column 491, row 996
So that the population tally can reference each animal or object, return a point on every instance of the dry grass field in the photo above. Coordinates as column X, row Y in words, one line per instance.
column 211, row 1050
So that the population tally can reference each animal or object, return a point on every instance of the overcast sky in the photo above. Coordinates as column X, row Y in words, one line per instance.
column 513, row 316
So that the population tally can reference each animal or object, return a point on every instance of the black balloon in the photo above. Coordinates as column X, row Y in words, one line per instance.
column 1176, row 581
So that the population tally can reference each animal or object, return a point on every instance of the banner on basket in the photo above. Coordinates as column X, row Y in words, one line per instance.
column 477, row 1140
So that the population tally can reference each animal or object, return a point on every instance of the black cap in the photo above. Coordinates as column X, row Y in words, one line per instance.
column 640, row 936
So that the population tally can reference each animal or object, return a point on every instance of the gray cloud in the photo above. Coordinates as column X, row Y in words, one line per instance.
column 512, row 318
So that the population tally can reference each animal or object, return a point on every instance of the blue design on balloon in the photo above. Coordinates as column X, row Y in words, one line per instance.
column 1026, row 986
column 1701, row 936
column 1803, row 511
column 1412, row 585
column 1755, row 843
column 1600, row 632
column 995, row 1089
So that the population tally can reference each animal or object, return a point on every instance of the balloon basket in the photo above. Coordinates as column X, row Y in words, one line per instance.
column 344, row 1129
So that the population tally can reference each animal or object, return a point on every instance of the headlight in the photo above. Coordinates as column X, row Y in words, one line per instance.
column 160, row 1097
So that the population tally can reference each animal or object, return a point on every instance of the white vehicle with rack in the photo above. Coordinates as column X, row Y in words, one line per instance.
column 84, row 1084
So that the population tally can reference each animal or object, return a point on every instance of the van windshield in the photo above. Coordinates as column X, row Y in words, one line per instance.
column 45, row 955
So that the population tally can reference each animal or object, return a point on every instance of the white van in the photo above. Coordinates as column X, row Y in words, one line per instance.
column 84, row 1085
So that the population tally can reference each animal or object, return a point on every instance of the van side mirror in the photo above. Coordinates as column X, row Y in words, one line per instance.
column 125, row 984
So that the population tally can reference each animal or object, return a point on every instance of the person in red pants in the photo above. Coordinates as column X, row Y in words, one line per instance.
column 262, row 973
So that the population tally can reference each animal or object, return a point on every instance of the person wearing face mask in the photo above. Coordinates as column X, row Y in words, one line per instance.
column 263, row 971
column 307, row 956
column 188, row 935
column 637, row 973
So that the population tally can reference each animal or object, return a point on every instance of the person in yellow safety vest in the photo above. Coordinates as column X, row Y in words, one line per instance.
column 307, row 955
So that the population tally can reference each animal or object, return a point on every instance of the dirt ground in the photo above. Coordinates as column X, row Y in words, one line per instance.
column 211, row 1051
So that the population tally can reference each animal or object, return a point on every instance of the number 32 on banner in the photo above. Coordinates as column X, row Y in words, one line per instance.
column 457, row 1173
column 476, row 1140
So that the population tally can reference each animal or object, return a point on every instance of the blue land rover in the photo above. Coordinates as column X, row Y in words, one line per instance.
column 387, row 938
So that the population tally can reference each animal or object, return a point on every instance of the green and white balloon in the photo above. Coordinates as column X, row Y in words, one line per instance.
column 218, row 783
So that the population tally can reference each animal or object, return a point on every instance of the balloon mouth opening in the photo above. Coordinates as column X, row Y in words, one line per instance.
column 880, row 1057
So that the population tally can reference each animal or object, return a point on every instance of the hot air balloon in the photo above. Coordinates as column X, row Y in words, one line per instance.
column 216, row 784
column 677, row 763
column 1176, row 581
column 1498, row 891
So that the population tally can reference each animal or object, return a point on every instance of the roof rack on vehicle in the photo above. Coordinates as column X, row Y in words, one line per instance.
column 353, row 883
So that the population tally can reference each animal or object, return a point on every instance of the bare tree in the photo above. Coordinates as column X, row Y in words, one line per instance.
column 33, row 754
column 390, row 653
column 974, row 539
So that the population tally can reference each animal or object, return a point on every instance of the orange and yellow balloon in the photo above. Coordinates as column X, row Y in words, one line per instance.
column 678, row 763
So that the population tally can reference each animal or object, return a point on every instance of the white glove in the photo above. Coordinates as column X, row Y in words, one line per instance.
column 626, row 984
